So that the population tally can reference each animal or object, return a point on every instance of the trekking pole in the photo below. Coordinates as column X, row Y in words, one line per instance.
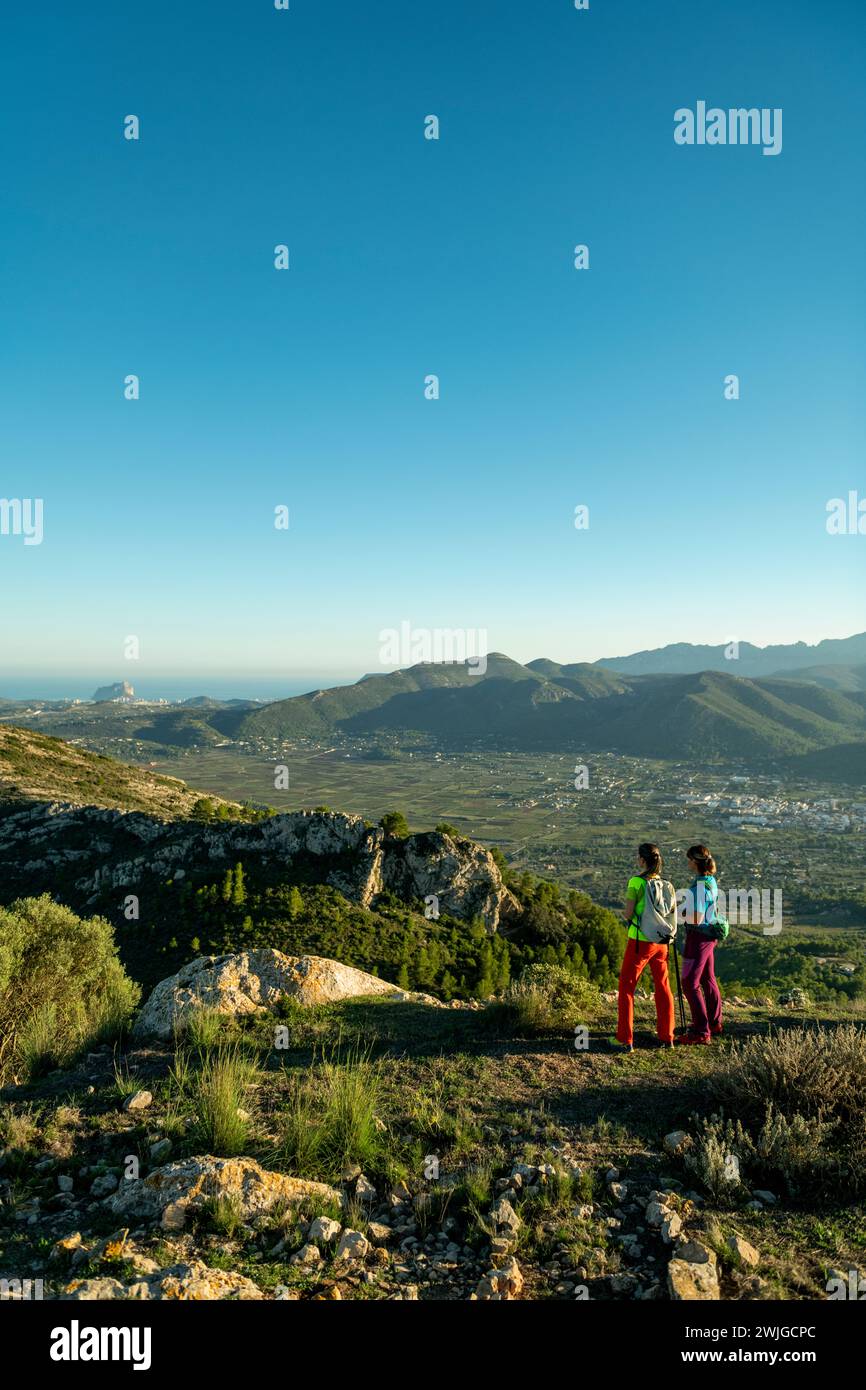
column 679, row 987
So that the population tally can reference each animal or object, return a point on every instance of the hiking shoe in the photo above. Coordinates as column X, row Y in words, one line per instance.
column 616, row 1046
column 691, row 1038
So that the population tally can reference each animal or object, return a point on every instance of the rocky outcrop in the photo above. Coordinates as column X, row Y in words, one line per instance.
column 120, row 690
column 171, row 1192
column 461, row 875
column 249, row 982
column 99, row 850
column 192, row 1280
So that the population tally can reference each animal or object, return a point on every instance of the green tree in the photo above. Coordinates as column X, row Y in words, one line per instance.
column 239, row 892
column 448, row 985
column 395, row 823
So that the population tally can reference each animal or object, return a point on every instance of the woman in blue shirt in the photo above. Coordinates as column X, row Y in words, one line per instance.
column 699, row 974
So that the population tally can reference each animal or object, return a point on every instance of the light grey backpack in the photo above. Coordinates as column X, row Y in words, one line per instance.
column 659, row 918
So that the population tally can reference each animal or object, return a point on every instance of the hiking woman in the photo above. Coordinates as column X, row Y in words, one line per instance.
column 640, row 951
column 699, row 974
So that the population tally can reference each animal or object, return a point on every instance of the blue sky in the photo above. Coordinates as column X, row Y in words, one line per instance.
column 409, row 257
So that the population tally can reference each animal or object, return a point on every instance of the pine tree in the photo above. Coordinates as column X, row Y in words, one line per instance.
column 448, row 985
column 239, row 892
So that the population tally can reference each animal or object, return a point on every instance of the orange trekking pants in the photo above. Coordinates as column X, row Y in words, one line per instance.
column 639, row 954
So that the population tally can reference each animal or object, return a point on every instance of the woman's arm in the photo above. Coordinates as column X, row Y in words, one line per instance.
column 699, row 898
column 628, row 907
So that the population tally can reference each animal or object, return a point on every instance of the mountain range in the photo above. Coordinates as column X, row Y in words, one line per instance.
column 819, row 662
column 546, row 706
column 815, row 711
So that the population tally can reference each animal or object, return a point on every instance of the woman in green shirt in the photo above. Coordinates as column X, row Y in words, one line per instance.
column 640, row 953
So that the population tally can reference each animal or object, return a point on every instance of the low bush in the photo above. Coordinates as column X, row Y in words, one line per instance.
column 545, row 997
column 62, row 987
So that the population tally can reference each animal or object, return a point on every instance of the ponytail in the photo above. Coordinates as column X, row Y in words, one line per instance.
column 702, row 857
column 652, row 857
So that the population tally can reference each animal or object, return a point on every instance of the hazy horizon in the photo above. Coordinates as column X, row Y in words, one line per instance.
column 181, row 685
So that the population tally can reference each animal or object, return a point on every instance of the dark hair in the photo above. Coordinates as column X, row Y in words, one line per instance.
column 652, row 857
column 702, row 857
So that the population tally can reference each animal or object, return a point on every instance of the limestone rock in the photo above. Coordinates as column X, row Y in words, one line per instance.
column 501, row 1284
column 187, row 1184
column 671, row 1227
column 307, row 1255
column 462, row 875
column 695, row 1252
column 92, row 1289
column 743, row 1250
column 677, row 1141
column 323, row 1229
column 353, row 1246
column 247, row 983
column 365, row 1191
column 656, row 1214
column 139, row 1100
column 689, row 1281
column 101, row 1186
column 504, row 1217
column 192, row 1281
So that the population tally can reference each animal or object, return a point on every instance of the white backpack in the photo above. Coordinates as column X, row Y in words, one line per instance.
column 659, row 918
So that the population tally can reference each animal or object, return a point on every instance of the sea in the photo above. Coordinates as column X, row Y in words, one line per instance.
column 172, row 688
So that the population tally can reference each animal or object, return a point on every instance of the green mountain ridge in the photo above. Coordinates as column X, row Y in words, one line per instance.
column 547, row 706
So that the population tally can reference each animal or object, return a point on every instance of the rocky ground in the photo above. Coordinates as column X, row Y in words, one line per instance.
column 503, row 1169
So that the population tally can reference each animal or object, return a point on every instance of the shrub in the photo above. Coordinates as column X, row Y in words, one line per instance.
column 803, row 1093
column 816, row 1072
column 794, row 1147
column 549, row 996
column 722, row 1150
column 62, row 986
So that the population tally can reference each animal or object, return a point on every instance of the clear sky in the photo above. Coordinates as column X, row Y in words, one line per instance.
column 410, row 257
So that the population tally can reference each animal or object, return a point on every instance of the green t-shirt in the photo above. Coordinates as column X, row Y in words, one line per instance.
column 636, row 890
